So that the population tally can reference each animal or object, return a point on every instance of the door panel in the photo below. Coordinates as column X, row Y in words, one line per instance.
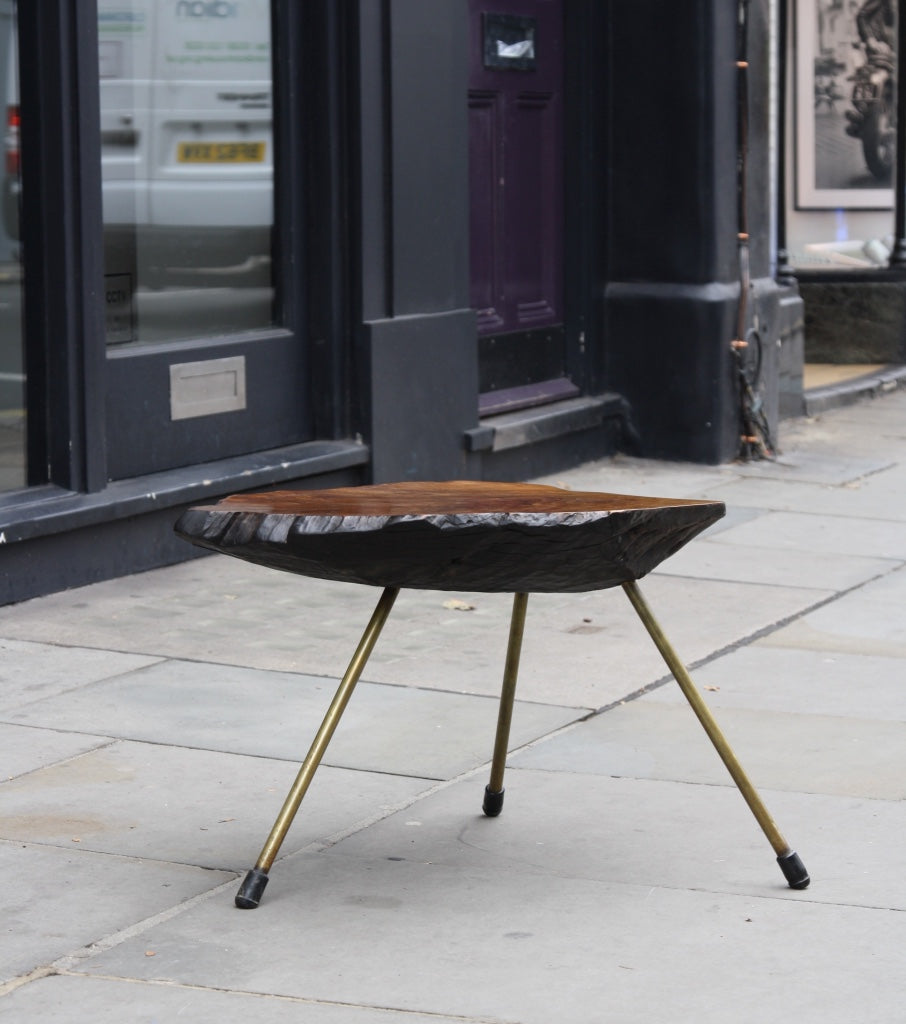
column 160, row 397
column 516, row 180
column 533, row 212
column 484, row 115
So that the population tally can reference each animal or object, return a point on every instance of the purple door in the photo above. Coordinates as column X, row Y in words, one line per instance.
column 516, row 182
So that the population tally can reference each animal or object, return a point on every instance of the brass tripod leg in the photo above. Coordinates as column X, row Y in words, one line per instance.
column 789, row 861
column 249, row 895
column 493, row 793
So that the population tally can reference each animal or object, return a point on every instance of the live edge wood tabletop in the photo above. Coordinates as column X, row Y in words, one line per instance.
column 453, row 535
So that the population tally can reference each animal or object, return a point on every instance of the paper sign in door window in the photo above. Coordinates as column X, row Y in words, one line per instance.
column 510, row 42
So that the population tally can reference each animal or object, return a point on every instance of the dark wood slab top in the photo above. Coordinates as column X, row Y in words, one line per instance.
column 455, row 535
column 445, row 498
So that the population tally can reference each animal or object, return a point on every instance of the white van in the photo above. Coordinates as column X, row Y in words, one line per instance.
column 186, row 133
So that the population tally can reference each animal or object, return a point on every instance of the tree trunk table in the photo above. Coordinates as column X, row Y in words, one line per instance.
column 466, row 536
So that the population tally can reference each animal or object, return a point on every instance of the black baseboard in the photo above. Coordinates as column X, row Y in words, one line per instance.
column 54, row 541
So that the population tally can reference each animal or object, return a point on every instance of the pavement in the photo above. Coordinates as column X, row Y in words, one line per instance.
column 150, row 727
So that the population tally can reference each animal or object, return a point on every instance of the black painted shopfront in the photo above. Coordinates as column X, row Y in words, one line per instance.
column 257, row 243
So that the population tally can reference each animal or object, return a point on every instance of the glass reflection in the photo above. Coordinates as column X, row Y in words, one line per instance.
column 187, row 167
column 12, row 366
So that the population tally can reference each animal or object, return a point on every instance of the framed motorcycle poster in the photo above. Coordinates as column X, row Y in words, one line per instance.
column 845, row 111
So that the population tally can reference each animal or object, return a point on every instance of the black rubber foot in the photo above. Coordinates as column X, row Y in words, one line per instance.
column 794, row 870
column 252, row 889
column 493, row 802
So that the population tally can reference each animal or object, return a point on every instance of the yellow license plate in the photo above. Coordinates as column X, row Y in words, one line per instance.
column 220, row 152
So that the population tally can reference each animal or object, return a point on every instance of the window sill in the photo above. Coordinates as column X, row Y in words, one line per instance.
column 47, row 510
column 529, row 426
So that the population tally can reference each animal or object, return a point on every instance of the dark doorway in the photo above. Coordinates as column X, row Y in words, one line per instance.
column 517, row 204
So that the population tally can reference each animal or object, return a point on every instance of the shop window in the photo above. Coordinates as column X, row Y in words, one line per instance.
column 843, row 134
column 187, row 168
column 12, row 366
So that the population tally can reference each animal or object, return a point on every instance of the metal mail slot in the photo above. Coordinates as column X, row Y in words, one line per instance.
column 208, row 387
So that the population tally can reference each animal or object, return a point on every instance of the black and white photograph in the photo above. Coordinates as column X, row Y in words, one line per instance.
column 845, row 103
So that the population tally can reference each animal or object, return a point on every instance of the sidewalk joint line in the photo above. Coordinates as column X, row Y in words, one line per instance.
column 69, row 961
column 279, row 996
column 745, row 641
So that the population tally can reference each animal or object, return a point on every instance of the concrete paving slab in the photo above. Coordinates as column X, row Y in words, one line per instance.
column 400, row 730
column 25, row 749
column 580, row 650
column 188, row 806
column 68, row 999
column 651, row 832
column 869, row 620
column 30, row 671
column 812, row 465
column 223, row 610
column 516, row 946
column 650, row 739
column 734, row 516
column 589, row 649
column 869, row 429
column 882, row 497
column 56, row 901
column 875, row 437
column 827, row 535
column 776, row 565
column 802, row 682
column 623, row 474
column 202, row 609
column 886, row 410
column 803, row 635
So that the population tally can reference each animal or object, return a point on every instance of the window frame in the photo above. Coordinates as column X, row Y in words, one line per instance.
column 61, row 228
